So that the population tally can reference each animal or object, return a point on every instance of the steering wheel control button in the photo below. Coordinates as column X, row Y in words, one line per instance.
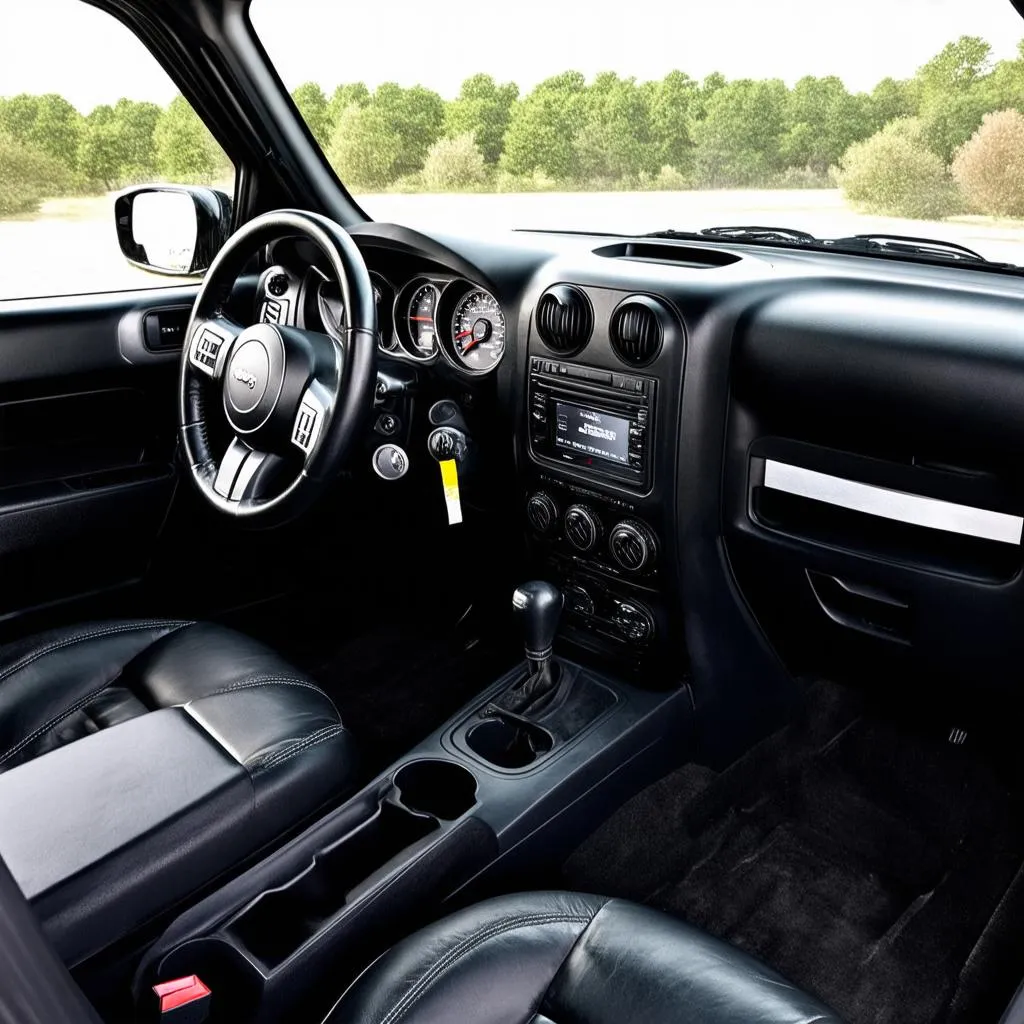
column 390, row 462
column 248, row 376
column 205, row 351
column 307, row 423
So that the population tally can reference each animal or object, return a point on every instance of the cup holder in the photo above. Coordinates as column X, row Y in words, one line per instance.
column 441, row 788
column 509, row 744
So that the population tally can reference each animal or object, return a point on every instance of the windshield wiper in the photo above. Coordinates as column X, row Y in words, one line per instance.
column 740, row 233
column 908, row 245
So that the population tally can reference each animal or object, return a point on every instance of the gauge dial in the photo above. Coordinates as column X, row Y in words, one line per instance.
column 478, row 331
column 422, row 307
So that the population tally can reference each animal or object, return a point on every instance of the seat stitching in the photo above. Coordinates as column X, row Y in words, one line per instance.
column 57, row 719
column 254, row 682
column 95, row 634
column 320, row 736
column 467, row 946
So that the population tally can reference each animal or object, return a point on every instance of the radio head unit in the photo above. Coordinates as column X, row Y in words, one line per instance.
column 592, row 419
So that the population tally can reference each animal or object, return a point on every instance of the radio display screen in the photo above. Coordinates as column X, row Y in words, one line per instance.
column 592, row 433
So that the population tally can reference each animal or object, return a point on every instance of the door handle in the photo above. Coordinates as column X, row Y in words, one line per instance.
column 862, row 607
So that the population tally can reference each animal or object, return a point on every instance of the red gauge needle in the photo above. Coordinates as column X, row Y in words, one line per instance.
column 462, row 334
column 472, row 344
column 422, row 319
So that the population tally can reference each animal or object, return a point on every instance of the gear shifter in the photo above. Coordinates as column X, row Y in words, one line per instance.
column 538, row 606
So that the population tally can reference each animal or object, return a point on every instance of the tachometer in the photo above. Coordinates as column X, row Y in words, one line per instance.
column 422, row 307
column 478, row 331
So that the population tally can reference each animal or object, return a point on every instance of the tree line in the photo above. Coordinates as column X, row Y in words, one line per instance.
column 48, row 148
column 674, row 133
column 565, row 133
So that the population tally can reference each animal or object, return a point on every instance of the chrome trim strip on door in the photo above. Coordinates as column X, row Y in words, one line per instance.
column 898, row 505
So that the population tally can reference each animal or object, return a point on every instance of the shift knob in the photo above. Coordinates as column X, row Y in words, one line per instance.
column 538, row 606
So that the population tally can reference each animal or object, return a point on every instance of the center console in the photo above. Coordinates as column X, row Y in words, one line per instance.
column 499, row 794
column 597, row 465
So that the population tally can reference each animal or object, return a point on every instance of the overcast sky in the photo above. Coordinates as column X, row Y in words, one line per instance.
column 64, row 46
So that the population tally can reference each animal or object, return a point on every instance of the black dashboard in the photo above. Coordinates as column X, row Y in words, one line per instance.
column 720, row 451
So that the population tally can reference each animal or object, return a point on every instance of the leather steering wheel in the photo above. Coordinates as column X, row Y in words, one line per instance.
column 294, row 400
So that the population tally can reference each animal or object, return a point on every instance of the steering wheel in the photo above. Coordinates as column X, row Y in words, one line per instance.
column 294, row 400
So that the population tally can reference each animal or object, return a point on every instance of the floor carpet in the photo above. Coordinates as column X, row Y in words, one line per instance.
column 866, row 858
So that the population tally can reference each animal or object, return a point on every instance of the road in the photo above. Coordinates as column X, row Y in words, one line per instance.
column 70, row 246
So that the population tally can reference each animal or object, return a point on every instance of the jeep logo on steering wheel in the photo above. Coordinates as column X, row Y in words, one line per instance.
column 245, row 377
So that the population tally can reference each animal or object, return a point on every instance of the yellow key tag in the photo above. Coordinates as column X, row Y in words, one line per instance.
column 450, row 480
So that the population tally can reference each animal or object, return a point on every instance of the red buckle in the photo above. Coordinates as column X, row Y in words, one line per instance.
column 183, row 1000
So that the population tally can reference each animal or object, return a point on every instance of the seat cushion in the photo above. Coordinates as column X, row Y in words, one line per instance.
column 562, row 958
column 76, row 707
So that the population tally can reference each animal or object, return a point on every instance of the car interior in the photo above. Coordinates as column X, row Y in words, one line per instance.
column 524, row 626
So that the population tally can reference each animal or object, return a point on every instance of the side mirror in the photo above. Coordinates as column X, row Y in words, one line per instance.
column 172, row 229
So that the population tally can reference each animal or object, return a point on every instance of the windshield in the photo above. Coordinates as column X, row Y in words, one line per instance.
column 902, row 117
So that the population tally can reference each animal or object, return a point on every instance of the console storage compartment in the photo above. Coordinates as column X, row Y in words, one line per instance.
column 386, row 856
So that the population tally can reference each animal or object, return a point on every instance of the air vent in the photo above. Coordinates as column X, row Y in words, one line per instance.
column 637, row 329
column 564, row 319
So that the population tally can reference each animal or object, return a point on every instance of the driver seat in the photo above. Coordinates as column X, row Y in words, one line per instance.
column 140, row 760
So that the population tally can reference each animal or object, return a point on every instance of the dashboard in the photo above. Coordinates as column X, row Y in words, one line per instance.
column 741, row 463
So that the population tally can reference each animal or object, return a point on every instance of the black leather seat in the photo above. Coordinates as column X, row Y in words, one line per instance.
column 141, row 760
column 551, row 958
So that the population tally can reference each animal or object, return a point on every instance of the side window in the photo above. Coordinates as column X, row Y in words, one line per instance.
column 72, row 137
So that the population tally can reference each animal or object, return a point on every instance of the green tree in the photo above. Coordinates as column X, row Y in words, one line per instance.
column 739, row 142
column 1005, row 86
column 18, row 117
column 953, row 94
column 27, row 176
column 343, row 97
column 136, row 124
column 185, row 149
column 542, row 132
column 364, row 150
column 484, row 109
column 824, row 120
column 99, row 148
column 56, row 129
column 891, row 99
column 315, row 111
column 675, row 106
column 416, row 116
column 615, row 140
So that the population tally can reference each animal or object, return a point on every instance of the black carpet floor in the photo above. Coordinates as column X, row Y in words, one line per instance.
column 870, row 862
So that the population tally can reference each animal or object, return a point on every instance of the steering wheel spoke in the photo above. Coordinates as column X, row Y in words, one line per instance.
column 238, row 470
column 211, row 343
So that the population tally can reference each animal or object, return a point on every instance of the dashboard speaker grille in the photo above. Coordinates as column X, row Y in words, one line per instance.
column 565, row 320
column 638, row 329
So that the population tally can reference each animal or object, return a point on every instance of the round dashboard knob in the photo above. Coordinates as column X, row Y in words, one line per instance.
column 632, row 545
column 582, row 528
column 542, row 512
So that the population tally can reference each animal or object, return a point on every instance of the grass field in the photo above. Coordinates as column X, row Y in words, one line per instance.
column 69, row 247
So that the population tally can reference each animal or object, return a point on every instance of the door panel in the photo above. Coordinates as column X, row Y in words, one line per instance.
column 87, row 438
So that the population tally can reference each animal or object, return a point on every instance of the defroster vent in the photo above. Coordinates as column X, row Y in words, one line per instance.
column 565, row 319
column 638, row 328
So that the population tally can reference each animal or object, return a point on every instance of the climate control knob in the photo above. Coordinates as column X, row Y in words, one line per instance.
column 542, row 513
column 583, row 529
column 632, row 545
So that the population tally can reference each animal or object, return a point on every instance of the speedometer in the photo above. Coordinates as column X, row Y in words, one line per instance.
column 478, row 331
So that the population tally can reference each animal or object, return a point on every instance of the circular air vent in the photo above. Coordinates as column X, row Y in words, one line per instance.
column 565, row 320
column 638, row 328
